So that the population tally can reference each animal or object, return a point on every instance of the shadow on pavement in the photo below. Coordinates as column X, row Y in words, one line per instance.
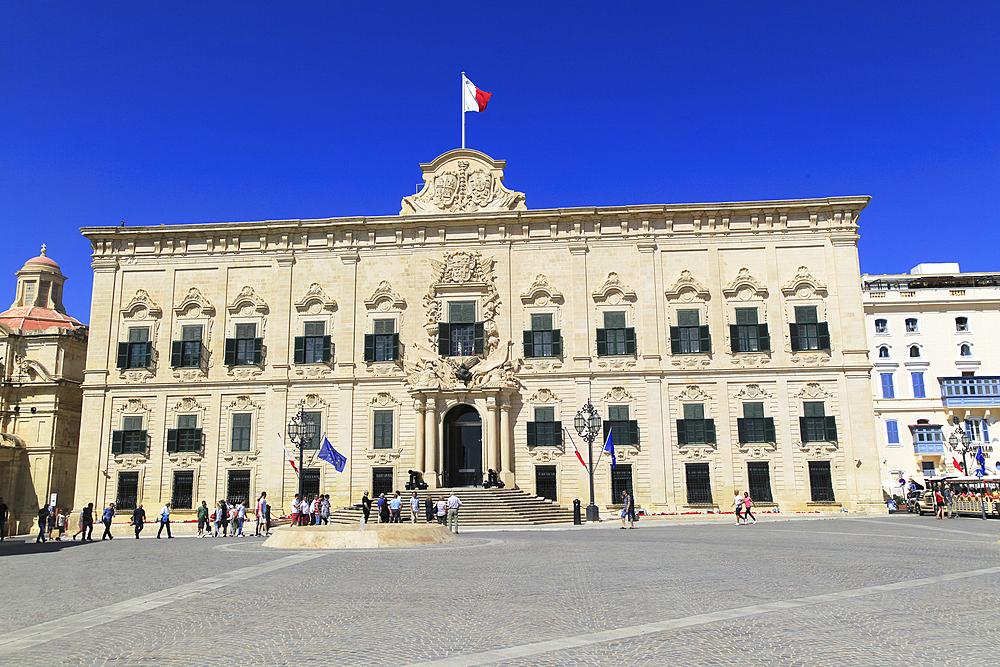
column 18, row 546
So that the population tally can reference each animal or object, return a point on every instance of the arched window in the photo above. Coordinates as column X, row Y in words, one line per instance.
column 883, row 352
column 914, row 352
column 965, row 350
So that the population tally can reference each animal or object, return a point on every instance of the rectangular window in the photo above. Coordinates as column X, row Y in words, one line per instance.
column 314, row 346
column 29, row 293
column 462, row 336
column 754, row 426
column 317, row 419
column 241, row 432
column 961, row 324
column 892, row 432
column 881, row 326
column 128, row 491
column 918, row 385
column 694, row 428
column 310, row 481
column 186, row 352
column 383, row 344
column 187, row 437
column 43, row 294
column 381, row 481
column 747, row 334
column 245, row 349
column 137, row 351
column 888, row 390
column 182, row 493
column 542, row 340
column 131, row 439
column 382, row 429
column 928, row 439
column 699, row 484
column 545, row 482
column 759, row 481
column 821, row 482
column 688, row 337
column 615, row 338
column 814, row 425
column 806, row 332
column 927, row 468
column 545, row 431
column 238, row 487
column 621, row 480
column 624, row 431
column 911, row 325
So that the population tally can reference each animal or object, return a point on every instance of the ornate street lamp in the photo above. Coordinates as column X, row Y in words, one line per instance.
column 301, row 430
column 588, row 424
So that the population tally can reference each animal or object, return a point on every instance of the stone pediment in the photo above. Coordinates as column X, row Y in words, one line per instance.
column 463, row 181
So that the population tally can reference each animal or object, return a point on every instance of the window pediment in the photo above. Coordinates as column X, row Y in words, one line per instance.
column 194, row 305
column 141, row 306
column 315, row 301
column 614, row 291
column 687, row 289
column 744, row 287
column 385, row 298
column 247, row 303
column 541, row 293
column 803, row 285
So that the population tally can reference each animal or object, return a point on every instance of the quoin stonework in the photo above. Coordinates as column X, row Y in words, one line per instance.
column 723, row 344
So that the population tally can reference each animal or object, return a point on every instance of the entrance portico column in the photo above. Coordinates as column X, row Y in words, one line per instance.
column 430, row 444
column 507, row 473
column 418, row 434
column 492, row 434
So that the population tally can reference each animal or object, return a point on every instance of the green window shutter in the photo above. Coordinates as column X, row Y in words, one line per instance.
column 741, row 429
column 706, row 339
column 526, row 337
column 710, row 431
column 369, row 347
column 633, row 432
column 831, row 428
column 675, row 340
column 531, row 434
column 142, row 439
column 230, row 353
column 258, row 350
column 823, row 332
column 681, row 433
column 803, row 430
column 793, row 334
column 395, row 346
column 444, row 339
column 602, row 343
column 556, row 344
column 558, row 438
column 629, row 340
column 300, row 350
column 734, row 339
column 769, row 434
column 172, row 440
column 117, row 442
column 122, row 361
column 327, row 349
column 763, row 338
column 176, row 350
column 147, row 355
column 198, row 439
column 479, row 336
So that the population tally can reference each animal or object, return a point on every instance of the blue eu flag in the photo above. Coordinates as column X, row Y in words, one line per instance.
column 609, row 447
column 332, row 456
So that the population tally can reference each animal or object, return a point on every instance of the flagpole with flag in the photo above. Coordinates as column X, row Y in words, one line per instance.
column 576, row 451
column 473, row 99
column 288, row 455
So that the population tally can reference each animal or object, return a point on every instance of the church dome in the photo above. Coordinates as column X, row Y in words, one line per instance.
column 38, row 302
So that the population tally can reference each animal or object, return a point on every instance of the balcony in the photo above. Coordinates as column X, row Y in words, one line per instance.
column 982, row 391
column 928, row 448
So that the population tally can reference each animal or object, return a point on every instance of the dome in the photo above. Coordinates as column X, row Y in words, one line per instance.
column 41, row 261
column 34, row 318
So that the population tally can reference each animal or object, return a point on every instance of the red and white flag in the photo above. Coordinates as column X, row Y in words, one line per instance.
column 288, row 455
column 473, row 99
column 958, row 466
column 575, row 450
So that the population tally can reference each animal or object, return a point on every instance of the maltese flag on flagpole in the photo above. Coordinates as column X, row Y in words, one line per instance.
column 473, row 99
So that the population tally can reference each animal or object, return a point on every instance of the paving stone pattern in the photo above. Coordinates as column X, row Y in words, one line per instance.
column 509, row 589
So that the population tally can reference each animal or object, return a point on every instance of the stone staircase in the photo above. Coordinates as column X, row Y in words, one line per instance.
column 480, row 507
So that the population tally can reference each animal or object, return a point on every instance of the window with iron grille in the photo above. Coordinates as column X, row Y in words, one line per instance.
column 542, row 340
column 615, row 338
column 383, row 345
column 241, row 432
column 821, row 482
column 382, row 429
column 137, row 352
column 128, row 491
column 624, row 431
column 545, row 482
column 689, row 336
column 317, row 419
column 131, row 439
column 545, row 431
column 244, row 349
column 814, row 425
column 699, row 484
column 694, row 428
column 621, row 480
column 807, row 333
column 186, row 352
column 754, row 426
column 310, row 482
column 314, row 347
column 747, row 334
column 238, row 487
column 759, row 481
column 462, row 335
column 382, row 481
column 182, row 492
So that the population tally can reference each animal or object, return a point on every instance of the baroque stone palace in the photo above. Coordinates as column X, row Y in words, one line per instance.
column 721, row 343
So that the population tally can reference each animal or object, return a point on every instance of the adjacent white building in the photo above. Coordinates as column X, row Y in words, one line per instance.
column 932, row 335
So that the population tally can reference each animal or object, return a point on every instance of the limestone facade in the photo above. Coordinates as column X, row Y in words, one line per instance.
column 463, row 334
column 929, row 333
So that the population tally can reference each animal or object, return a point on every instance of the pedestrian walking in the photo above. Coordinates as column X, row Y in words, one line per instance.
column 414, row 508
column 747, row 504
column 106, row 518
column 324, row 512
column 138, row 519
column 295, row 510
column 383, row 509
column 223, row 517
column 165, row 521
column 202, row 518
column 43, row 522
column 738, row 506
column 51, row 524
column 317, row 510
column 442, row 511
column 453, row 504
column 87, row 523
column 4, row 512
column 61, row 520
column 395, row 507
column 949, row 500
column 429, row 510
column 261, row 513
column 241, row 515
column 939, row 504
column 366, row 506
column 628, row 509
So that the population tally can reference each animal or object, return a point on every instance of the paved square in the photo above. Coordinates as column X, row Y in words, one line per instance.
column 840, row 591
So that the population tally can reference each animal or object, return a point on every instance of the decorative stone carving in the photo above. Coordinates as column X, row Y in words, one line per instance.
column 614, row 292
column 541, row 365
column 241, row 459
column 543, row 396
column 133, row 406
column 313, row 401
column 619, row 395
column 753, row 391
column 383, row 399
column 244, row 373
column 382, row 457
column 744, row 287
column 541, row 293
column 383, row 369
column 312, row 371
column 465, row 274
column 498, row 370
column 141, row 307
column 194, row 305
column 384, row 298
column 697, row 453
column 817, row 358
column 750, row 359
column 692, row 393
column 803, row 285
column 687, row 289
column 243, row 403
column 546, row 454
column 463, row 181
column 615, row 364
column 188, row 404
column 757, row 450
column 130, row 461
column 185, row 459
column 812, row 391
column 195, row 309
column 247, row 303
column 691, row 361
column 315, row 301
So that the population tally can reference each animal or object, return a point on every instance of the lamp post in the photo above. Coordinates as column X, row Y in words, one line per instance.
column 301, row 430
column 588, row 424
column 954, row 440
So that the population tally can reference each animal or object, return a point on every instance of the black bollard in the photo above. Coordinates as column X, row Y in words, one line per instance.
column 577, row 519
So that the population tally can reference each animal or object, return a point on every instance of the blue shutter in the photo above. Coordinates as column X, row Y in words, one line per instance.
column 892, row 432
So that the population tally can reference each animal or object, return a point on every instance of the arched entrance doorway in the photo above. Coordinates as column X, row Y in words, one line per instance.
column 463, row 447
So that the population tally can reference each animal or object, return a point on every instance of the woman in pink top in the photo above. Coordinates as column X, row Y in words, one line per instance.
column 747, row 503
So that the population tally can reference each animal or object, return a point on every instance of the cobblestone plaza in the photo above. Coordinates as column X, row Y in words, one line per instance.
column 831, row 591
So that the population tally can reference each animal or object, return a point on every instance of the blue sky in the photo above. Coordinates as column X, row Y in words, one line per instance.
column 211, row 112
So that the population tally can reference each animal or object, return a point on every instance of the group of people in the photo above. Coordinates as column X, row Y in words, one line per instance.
column 224, row 517
column 311, row 510
column 442, row 510
column 742, row 505
column 50, row 519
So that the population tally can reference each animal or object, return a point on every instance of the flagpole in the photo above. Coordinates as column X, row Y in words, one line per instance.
column 463, row 109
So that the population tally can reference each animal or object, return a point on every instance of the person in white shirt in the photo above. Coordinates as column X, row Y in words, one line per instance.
column 165, row 522
column 414, row 507
column 325, row 511
column 453, row 504
column 241, row 515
